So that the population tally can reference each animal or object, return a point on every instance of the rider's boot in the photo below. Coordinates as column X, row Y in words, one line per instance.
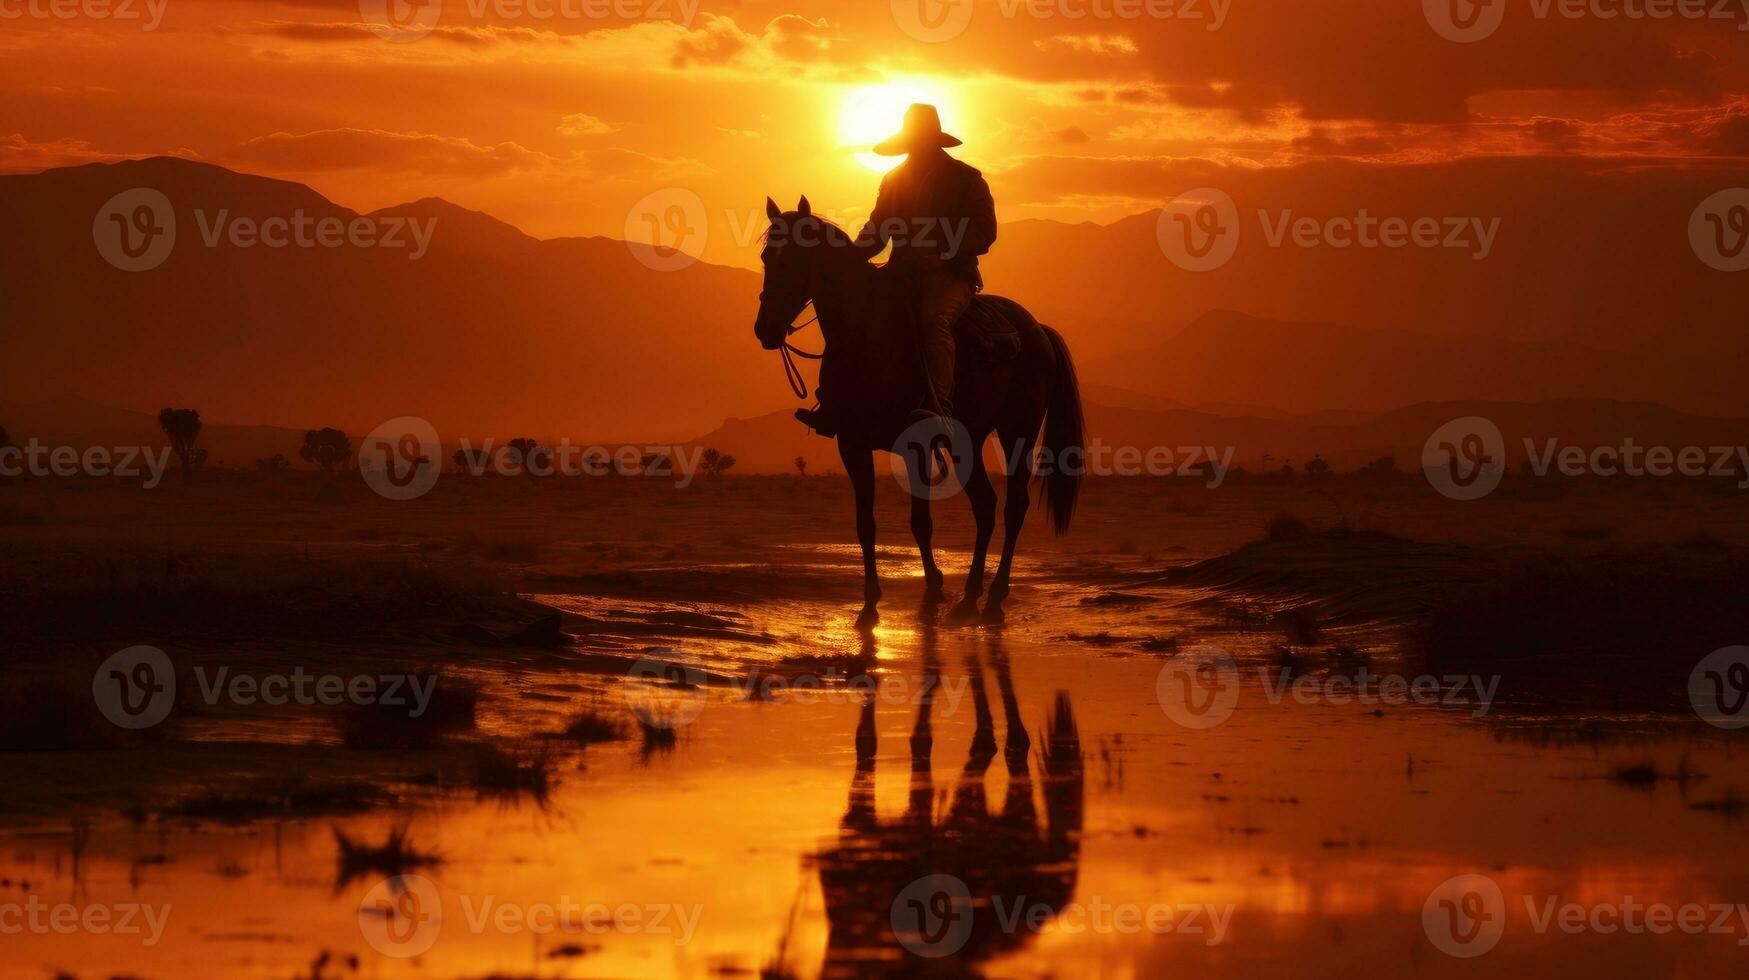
column 818, row 419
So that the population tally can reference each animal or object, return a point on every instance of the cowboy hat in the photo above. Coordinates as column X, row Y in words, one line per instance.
column 922, row 129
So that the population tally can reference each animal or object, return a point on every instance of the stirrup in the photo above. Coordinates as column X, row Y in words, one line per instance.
column 816, row 419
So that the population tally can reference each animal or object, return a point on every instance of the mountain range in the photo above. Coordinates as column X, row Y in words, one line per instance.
column 494, row 333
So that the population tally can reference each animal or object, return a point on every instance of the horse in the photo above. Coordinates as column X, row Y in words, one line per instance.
column 872, row 380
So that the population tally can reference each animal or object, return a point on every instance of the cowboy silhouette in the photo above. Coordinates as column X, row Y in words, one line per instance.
column 938, row 215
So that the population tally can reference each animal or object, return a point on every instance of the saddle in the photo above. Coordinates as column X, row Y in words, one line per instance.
column 984, row 327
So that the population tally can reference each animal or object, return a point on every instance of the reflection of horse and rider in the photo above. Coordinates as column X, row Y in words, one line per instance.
column 950, row 885
column 916, row 358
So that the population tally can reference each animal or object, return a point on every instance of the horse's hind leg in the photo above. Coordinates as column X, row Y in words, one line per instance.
column 982, row 497
column 859, row 464
column 1013, row 518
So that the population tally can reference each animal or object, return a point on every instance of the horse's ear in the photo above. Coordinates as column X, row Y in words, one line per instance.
column 772, row 211
column 804, row 208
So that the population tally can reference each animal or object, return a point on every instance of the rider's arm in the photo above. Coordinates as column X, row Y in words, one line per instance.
column 981, row 212
column 873, row 238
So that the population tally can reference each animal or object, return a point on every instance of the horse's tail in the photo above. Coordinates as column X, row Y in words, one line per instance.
column 1065, row 428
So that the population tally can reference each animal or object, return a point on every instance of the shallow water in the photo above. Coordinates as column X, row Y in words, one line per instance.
column 1305, row 837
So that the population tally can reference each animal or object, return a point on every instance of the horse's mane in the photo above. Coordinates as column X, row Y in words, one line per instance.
column 831, row 235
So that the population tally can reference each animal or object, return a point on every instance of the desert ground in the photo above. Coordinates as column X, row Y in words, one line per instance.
column 652, row 698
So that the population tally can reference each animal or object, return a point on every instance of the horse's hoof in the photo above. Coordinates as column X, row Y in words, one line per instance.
column 867, row 618
column 994, row 616
column 964, row 614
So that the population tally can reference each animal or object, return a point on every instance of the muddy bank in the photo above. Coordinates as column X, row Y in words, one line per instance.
column 1613, row 632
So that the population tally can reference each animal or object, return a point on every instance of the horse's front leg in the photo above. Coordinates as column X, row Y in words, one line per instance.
column 922, row 528
column 859, row 464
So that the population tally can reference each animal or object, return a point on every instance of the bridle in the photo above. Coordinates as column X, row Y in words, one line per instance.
column 792, row 371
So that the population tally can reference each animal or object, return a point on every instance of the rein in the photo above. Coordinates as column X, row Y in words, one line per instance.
column 792, row 371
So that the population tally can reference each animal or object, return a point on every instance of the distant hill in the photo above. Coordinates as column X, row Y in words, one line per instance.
column 494, row 333
column 490, row 333
column 1583, row 252
column 1228, row 358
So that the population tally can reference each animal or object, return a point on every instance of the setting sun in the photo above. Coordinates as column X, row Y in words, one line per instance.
column 872, row 113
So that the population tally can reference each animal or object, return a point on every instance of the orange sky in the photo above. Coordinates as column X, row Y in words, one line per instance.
column 560, row 123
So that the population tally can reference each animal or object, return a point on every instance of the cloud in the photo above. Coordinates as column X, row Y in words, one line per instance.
column 583, row 124
column 19, row 154
column 1101, row 44
column 720, row 42
column 451, row 156
column 345, row 149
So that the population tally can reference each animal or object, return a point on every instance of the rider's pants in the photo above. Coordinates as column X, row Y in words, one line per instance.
column 942, row 298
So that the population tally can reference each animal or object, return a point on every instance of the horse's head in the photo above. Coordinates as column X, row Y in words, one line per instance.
column 798, row 247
